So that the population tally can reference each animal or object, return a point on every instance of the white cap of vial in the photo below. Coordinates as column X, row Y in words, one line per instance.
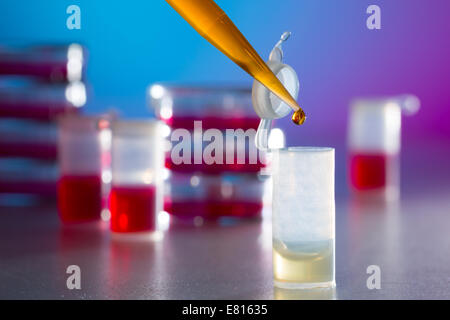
column 268, row 106
column 265, row 103
column 375, row 124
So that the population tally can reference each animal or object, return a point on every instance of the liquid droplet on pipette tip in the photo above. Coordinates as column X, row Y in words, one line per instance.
column 299, row 117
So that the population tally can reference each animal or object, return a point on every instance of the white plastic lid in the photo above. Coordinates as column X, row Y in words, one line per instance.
column 265, row 103
column 375, row 124
column 268, row 106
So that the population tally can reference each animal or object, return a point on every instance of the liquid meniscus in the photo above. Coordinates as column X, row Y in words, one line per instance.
column 303, row 262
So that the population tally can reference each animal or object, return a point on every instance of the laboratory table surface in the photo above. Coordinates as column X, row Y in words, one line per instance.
column 408, row 239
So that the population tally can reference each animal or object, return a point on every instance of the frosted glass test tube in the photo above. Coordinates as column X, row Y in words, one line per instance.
column 303, row 217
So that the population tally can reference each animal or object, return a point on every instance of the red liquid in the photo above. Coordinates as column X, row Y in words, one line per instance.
column 29, row 150
column 220, row 123
column 52, row 71
column 133, row 208
column 368, row 171
column 36, row 187
column 214, row 168
column 79, row 198
column 213, row 122
column 37, row 110
column 213, row 209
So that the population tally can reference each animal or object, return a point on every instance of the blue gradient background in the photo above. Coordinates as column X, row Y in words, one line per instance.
column 135, row 43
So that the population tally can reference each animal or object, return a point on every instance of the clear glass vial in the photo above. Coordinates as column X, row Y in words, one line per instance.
column 303, row 217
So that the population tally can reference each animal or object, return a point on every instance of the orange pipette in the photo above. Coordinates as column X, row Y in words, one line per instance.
column 209, row 20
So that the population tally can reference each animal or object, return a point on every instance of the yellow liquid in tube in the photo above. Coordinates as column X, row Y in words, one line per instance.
column 206, row 17
column 303, row 262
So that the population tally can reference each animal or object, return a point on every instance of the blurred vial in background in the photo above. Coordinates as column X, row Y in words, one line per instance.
column 26, row 99
column 374, row 145
column 21, row 178
column 199, row 192
column 137, row 175
column 203, row 108
column 52, row 63
column 213, row 197
column 28, row 139
column 82, row 145
column 37, row 85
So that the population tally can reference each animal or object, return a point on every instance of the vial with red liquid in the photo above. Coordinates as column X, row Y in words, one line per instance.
column 83, row 142
column 137, row 168
column 374, row 144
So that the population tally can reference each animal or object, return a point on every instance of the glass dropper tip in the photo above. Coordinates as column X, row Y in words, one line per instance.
column 285, row 35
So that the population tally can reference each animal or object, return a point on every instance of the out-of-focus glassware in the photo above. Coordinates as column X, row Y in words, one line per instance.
column 217, row 107
column 38, row 85
column 22, row 98
column 83, row 152
column 213, row 197
column 28, row 176
column 55, row 63
column 199, row 188
column 374, row 144
column 28, row 139
column 137, row 175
